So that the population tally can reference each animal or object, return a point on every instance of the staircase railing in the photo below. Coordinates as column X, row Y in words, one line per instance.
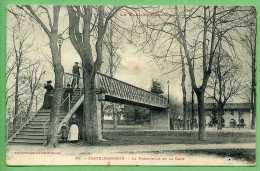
column 70, row 113
column 68, row 98
column 44, row 125
column 68, row 79
column 22, row 124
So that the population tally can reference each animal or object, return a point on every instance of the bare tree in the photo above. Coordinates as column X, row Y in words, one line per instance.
column 183, row 86
column 111, row 45
column 224, row 82
column 217, row 23
column 19, row 48
column 157, row 38
column 51, row 29
column 248, row 39
column 198, row 30
column 34, row 76
column 10, row 67
column 94, row 23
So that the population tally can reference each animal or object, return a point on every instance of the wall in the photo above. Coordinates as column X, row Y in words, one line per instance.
column 233, row 115
column 160, row 120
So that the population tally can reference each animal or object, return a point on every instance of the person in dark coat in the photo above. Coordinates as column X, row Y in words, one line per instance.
column 48, row 95
column 76, row 75
column 64, row 133
column 68, row 92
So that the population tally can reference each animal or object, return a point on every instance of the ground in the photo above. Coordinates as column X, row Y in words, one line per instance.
column 144, row 148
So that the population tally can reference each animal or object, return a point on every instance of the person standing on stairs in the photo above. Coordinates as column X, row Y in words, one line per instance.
column 48, row 95
column 76, row 75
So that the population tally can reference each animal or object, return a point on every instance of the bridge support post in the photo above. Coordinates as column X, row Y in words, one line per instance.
column 160, row 119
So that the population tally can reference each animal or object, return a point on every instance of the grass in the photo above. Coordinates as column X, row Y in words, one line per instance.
column 248, row 155
column 124, row 139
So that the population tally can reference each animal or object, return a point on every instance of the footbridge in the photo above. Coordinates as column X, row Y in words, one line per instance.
column 117, row 91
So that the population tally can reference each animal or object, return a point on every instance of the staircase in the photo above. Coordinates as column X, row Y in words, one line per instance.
column 75, row 96
column 35, row 130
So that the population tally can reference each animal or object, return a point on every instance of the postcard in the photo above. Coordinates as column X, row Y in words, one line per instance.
column 130, row 85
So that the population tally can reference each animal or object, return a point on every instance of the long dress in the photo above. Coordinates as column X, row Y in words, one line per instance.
column 47, row 97
column 73, row 133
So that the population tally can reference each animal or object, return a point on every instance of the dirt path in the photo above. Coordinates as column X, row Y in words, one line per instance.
column 163, row 154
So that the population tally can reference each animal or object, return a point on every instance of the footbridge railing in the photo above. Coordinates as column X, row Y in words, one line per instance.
column 116, row 90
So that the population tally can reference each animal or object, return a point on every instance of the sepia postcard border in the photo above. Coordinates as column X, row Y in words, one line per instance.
column 4, row 3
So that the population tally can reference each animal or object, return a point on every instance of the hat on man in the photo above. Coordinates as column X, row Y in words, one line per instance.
column 76, row 62
column 49, row 81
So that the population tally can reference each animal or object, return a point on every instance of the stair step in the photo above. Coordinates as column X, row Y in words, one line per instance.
column 45, row 117
column 42, row 115
column 29, row 137
column 31, row 133
column 33, row 130
column 44, row 111
column 37, row 121
column 36, row 127
column 37, row 124
column 47, row 114
column 23, row 141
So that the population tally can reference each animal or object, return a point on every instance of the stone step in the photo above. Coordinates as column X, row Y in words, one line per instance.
column 38, row 121
column 37, row 124
column 42, row 115
column 45, row 118
column 34, row 131
column 48, row 114
column 24, row 141
column 30, row 137
column 31, row 133
column 44, row 111
column 35, row 127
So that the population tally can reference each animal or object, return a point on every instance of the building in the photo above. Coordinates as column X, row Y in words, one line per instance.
column 236, row 114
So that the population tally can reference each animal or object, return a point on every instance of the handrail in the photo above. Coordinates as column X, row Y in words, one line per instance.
column 70, row 113
column 123, row 90
column 22, row 126
column 67, row 98
column 120, row 82
column 129, row 84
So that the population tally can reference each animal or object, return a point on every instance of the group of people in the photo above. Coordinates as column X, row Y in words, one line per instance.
column 49, row 88
column 71, row 133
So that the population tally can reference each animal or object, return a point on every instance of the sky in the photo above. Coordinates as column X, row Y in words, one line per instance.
column 136, row 67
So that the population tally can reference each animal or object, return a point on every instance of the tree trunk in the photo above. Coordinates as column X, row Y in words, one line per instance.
column 201, row 115
column 16, row 96
column 58, row 90
column 114, row 117
column 184, row 101
column 253, row 99
column 118, row 118
column 102, row 115
column 90, row 120
column 54, row 116
column 192, row 110
column 30, row 105
column 253, row 89
column 220, row 113
column 56, row 105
